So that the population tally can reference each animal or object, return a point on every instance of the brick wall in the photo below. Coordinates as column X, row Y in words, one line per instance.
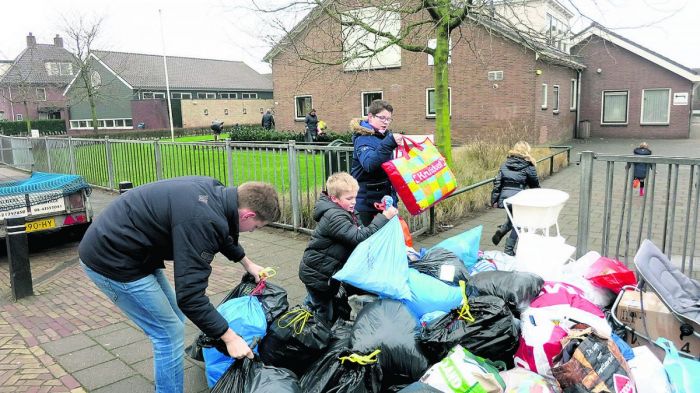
column 480, row 108
column 623, row 70
column 193, row 112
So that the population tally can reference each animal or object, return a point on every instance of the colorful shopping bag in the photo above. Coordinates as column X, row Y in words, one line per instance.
column 420, row 176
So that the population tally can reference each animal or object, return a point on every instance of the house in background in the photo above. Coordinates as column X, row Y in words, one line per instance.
column 498, row 83
column 32, row 85
column 131, row 92
column 630, row 91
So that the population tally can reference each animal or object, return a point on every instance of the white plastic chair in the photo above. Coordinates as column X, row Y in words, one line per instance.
column 536, row 210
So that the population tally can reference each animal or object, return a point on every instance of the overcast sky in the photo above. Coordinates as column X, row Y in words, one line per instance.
column 227, row 29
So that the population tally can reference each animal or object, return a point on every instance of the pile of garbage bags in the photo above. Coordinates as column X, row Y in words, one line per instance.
column 447, row 319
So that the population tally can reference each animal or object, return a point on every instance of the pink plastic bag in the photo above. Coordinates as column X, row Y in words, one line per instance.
column 611, row 274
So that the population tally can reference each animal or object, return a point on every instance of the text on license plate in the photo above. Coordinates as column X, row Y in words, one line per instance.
column 40, row 225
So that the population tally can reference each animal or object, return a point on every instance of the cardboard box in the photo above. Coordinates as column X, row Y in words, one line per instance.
column 659, row 321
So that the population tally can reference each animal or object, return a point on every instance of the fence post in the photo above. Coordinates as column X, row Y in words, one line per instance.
column 431, row 220
column 110, row 164
column 584, row 206
column 2, row 149
column 229, row 162
column 294, row 183
column 159, row 160
column 71, row 153
column 18, row 258
column 30, row 149
column 551, row 165
column 48, row 155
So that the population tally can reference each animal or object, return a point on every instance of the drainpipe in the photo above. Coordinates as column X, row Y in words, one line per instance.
column 12, row 105
column 578, row 102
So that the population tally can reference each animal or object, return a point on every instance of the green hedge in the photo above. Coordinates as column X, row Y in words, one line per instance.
column 45, row 127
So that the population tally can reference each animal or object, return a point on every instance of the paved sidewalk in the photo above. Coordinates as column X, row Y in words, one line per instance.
column 69, row 337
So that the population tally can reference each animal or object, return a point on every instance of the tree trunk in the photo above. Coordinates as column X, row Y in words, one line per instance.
column 443, row 138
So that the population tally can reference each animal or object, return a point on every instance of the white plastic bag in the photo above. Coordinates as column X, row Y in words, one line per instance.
column 573, row 274
column 542, row 255
column 648, row 372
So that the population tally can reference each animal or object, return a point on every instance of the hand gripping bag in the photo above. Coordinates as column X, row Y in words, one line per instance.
column 464, row 372
column 245, row 316
column 420, row 176
column 379, row 264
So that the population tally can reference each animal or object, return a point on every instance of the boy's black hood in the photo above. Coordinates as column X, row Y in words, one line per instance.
column 323, row 205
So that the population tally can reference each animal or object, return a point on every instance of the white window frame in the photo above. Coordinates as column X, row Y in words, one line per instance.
column 117, row 123
column 147, row 95
column 158, row 95
column 495, row 75
column 296, row 106
column 204, row 95
column 249, row 96
column 181, row 95
column 19, row 117
column 574, row 94
column 556, row 91
column 545, row 93
column 65, row 68
column 228, row 96
column 43, row 90
column 427, row 102
column 668, row 110
column 362, row 99
column 602, row 108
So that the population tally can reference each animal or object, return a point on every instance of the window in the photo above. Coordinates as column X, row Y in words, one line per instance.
column 615, row 107
column 302, row 105
column 158, row 95
column 225, row 112
column 147, row 95
column 430, row 110
column 95, row 80
column 495, row 75
column 206, row 112
column 656, row 106
column 574, row 93
column 206, row 96
column 555, row 104
column 228, row 96
column 19, row 117
column 55, row 68
column 432, row 43
column 368, row 97
column 40, row 94
column 544, row 96
column 360, row 46
column 182, row 96
column 2, row 115
column 249, row 95
column 556, row 32
column 101, row 123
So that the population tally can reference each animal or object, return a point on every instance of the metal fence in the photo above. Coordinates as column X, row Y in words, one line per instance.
column 667, row 213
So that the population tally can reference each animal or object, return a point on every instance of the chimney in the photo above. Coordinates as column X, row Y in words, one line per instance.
column 58, row 41
column 31, row 41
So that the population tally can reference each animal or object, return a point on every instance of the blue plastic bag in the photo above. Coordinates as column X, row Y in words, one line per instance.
column 465, row 245
column 624, row 348
column 246, row 317
column 430, row 294
column 379, row 264
column 683, row 373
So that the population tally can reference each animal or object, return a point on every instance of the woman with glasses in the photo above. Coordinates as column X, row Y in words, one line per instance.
column 373, row 145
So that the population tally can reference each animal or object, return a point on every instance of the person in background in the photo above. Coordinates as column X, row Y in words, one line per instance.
column 516, row 174
column 641, row 169
column 335, row 237
column 373, row 145
column 186, row 220
column 311, row 126
column 268, row 120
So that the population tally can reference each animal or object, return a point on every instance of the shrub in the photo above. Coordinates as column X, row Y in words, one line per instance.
column 45, row 127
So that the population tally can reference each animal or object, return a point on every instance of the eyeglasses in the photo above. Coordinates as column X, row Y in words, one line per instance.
column 384, row 119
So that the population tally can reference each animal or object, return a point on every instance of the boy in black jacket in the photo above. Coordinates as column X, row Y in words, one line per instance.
column 337, row 234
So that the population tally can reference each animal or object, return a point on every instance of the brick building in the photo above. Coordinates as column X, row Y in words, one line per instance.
column 630, row 91
column 498, row 83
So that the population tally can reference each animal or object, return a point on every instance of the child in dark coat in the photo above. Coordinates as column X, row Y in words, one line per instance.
column 337, row 234
column 640, row 169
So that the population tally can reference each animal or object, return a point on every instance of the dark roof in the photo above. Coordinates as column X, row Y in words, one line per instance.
column 146, row 71
column 29, row 67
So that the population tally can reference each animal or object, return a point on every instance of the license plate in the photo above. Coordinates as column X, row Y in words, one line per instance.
column 40, row 225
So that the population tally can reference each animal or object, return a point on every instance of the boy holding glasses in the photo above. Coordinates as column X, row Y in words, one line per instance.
column 373, row 145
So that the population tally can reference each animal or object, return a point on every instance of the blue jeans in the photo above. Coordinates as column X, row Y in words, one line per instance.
column 150, row 302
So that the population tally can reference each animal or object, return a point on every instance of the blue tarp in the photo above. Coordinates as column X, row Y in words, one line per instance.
column 41, row 182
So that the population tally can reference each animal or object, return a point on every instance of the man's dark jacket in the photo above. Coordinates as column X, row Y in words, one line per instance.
column 268, row 121
column 335, row 237
column 371, row 150
column 186, row 220
column 516, row 174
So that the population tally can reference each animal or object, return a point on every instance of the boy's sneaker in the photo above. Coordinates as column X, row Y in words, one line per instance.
column 358, row 302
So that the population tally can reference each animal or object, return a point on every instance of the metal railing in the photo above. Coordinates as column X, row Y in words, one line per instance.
column 666, row 213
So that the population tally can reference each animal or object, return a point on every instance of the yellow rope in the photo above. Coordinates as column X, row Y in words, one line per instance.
column 362, row 360
column 296, row 319
column 464, row 312
column 267, row 272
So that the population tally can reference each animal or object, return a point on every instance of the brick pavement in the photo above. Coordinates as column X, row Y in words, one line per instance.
column 70, row 338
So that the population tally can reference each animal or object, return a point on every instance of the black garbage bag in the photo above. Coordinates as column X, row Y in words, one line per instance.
column 493, row 334
column 517, row 289
column 336, row 372
column 252, row 376
column 617, row 328
column 341, row 307
column 419, row 387
column 443, row 265
column 272, row 297
column 390, row 326
column 295, row 340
